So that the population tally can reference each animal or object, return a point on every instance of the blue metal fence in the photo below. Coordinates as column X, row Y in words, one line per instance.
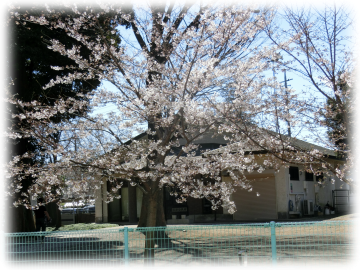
column 265, row 243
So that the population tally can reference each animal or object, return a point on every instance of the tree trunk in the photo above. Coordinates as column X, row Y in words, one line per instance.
column 149, row 252
column 55, row 214
column 18, row 219
column 152, row 215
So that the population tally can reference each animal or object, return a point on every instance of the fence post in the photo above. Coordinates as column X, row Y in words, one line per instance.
column 273, row 242
column 2, row 252
column 126, row 245
column 243, row 257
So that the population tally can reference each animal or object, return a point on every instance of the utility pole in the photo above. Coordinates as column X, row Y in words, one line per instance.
column 287, row 103
column 275, row 59
column 276, row 111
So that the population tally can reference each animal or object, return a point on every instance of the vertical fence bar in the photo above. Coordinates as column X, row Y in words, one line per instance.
column 273, row 242
column 126, row 245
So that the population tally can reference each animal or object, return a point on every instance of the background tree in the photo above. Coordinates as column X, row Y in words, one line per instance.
column 30, row 69
column 320, row 53
column 348, row 85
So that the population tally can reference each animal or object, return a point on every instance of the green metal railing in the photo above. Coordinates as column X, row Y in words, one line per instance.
column 220, row 244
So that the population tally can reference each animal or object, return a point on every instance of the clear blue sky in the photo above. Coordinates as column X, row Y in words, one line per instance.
column 297, row 83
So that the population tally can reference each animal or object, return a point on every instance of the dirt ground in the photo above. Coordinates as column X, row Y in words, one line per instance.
column 316, row 244
column 337, row 217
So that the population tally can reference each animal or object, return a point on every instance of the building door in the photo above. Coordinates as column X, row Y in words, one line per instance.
column 259, row 204
column 171, row 207
column 114, row 210
column 118, row 208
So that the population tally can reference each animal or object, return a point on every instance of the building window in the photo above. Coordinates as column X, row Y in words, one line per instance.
column 294, row 173
column 309, row 176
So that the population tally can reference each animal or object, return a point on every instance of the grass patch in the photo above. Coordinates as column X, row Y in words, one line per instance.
column 82, row 226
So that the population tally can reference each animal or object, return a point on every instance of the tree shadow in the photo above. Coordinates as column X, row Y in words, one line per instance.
column 173, row 246
column 174, row 250
column 326, row 251
column 64, row 249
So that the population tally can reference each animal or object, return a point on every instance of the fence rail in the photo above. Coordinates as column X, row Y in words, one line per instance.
column 220, row 244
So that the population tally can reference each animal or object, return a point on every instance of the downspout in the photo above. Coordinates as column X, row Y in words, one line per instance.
column 102, row 205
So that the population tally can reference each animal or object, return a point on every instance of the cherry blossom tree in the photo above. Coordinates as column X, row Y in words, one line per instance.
column 177, row 72
column 167, row 79
column 172, row 74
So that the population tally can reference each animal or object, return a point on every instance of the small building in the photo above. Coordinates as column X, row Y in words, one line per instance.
column 276, row 195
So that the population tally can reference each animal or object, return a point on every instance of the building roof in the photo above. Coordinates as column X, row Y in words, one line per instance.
column 210, row 141
column 296, row 144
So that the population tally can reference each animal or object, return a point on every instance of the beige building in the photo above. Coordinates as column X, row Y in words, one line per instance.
column 276, row 195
